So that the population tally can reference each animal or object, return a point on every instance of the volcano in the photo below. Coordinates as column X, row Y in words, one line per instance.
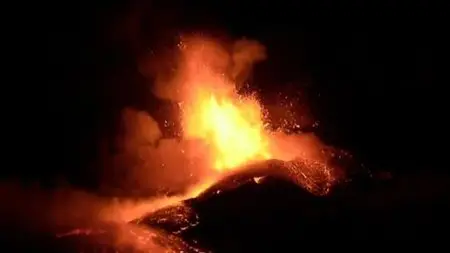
column 247, row 213
column 260, row 208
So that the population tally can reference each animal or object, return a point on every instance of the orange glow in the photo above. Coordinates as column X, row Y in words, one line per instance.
column 228, row 129
column 232, row 127
column 213, row 115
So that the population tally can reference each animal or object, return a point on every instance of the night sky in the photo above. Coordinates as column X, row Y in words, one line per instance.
column 368, row 71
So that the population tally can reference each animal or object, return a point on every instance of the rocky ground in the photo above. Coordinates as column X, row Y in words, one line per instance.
column 274, row 213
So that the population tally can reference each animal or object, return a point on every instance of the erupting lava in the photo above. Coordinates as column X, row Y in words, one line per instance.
column 232, row 128
column 231, row 125
column 223, row 132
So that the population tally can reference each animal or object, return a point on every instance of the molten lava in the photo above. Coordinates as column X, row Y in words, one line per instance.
column 232, row 127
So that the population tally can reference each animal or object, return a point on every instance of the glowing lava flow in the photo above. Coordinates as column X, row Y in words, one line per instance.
column 233, row 130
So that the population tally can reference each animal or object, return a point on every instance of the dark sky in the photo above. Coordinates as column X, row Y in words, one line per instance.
column 369, row 69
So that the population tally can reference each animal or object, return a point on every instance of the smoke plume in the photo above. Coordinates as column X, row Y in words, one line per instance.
column 234, row 60
column 150, row 164
column 146, row 164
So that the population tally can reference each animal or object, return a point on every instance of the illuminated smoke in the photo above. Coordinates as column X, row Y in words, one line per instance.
column 148, row 164
column 200, row 67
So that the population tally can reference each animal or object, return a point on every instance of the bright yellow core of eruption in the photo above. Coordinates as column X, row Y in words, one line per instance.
column 232, row 127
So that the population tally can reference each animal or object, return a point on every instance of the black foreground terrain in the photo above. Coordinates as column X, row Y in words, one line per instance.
column 241, row 214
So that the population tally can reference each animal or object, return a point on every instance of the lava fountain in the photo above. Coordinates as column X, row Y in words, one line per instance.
column 228, row 127
column 228, row 132
column 229, row 124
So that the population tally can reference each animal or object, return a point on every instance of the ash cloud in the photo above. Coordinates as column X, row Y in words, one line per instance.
column 148, row 164
column 145, row 164
column 244, row 55
column 152, row 164
column 234, row 60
